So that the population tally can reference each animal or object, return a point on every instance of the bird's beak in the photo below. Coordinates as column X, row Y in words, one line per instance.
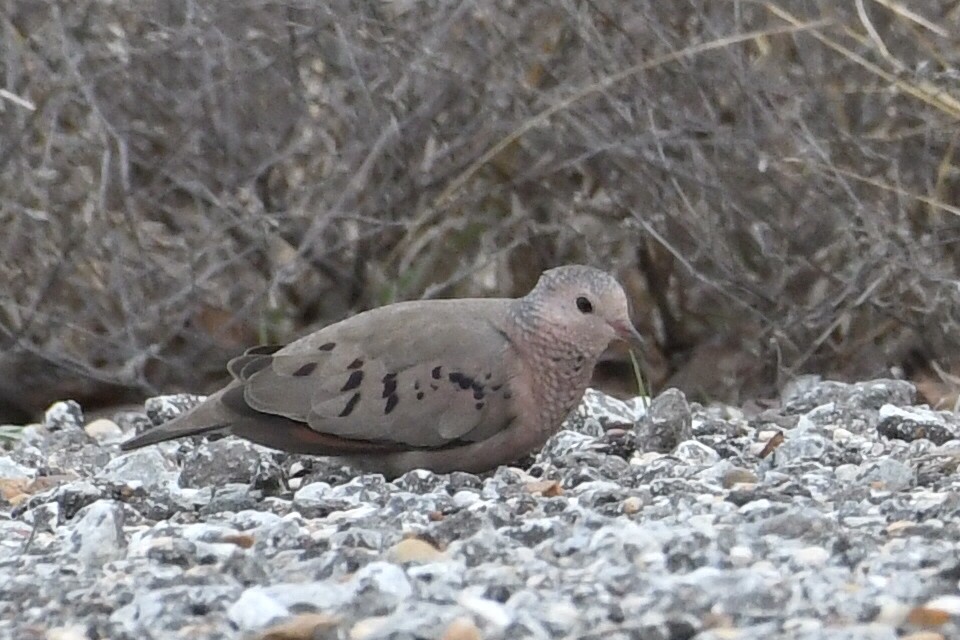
column 628, row 333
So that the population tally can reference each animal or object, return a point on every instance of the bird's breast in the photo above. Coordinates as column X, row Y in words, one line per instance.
column 558, row 388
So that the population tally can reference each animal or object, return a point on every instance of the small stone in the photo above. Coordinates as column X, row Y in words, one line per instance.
column 892, row 612
column 97, row 533
column 888, row 474
column 949, row 604
column 161, row 409
column 667, row 423
column 305, row 626
column 63, row 415
column 414, row 550
column 740, row 556
column 462, row 628
column 312, row 495
column 463, row 499
column 915, row 423
column 802, row 446
column 927, row 616
column 45, row 517
column 696, row 453
column 726, row 633
column 847, row 473
column 598, row 412
column 387, row 580
column 9, row 468
column 841, row 435
column 923, row 635
column 493, row 613
column 564, row 443
column 367, row 627
column 255, row 609
column 632, row 505
column 103, row 430
column 224, row 461
column 811, row 556
column 545, row 488
column 75, row 632
column 871, row 394
column 242, row 540
column 737, row 476
column 902, row 528
column 14, row 490
column 142, row 468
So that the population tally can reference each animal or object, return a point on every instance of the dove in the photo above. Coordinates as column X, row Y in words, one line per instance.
column 461, row 384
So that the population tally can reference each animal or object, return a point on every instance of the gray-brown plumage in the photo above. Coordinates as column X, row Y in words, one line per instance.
column 464, row 384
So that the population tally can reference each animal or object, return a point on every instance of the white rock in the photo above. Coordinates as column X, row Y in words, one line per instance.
column 143, row 467
column 696, row 453
column 811, row 556
column 103, row 430
column 841, row 435
column 465, row 498
column 368, row 627
column 947, row 603
column 740, row 556
column 9, row 468
column 96, row 533
column 311, row 495
column 494, row 613
column 75, row 632
column 255, row 609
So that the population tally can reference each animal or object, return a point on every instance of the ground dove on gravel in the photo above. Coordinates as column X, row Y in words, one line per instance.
column 445, row 385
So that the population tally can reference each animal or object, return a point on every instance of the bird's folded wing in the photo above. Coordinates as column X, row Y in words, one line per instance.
column 429, row 374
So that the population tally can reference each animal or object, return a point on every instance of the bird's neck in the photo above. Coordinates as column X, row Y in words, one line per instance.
column 559, row 368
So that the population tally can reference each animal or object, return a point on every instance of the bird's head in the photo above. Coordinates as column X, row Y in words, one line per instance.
column 585, row 306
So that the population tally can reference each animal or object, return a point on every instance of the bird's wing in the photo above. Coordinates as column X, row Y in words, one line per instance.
column 419, row 374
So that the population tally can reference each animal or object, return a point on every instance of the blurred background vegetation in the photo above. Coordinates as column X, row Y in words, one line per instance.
column 776, row 182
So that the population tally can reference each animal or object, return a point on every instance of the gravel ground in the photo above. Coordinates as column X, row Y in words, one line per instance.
column 834, row 515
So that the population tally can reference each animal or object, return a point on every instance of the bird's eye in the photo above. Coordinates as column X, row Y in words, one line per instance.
column 584, row 305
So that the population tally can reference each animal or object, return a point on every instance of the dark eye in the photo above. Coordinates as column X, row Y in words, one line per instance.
column 584, row 305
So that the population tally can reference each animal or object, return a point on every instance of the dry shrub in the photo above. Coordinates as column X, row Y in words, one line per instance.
column 776, row 181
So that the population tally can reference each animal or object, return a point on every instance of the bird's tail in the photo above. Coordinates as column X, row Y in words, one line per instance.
column 206, row 417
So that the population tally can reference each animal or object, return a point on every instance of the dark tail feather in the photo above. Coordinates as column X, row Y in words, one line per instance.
column 206, row 417
column 159, row 434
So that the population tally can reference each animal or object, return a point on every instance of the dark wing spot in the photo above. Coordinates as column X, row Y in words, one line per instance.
column 389, row 384
column 488, row 376
column 477, row 392
column 351, row 403
column 497, row 387
column 305, row 370
column 436, row 373
column 478, row 406
column 356, row 364
column 416, row 385
column 353, row 381
column 391, row 403
column 433, row 386
column 327, row 346
column 457, row 378
column 419, row 395
column 580, row 358
column 507, row 395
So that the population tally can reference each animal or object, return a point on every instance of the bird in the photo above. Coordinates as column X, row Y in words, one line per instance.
column 463, row 384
